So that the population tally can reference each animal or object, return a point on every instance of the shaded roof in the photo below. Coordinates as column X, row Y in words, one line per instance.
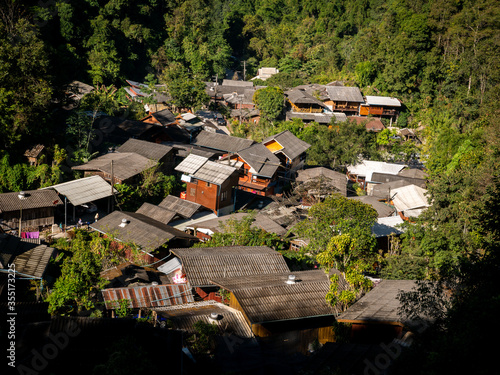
column 164, row 117
column 156, row 212
column 125, row 164
column 382, row 209
column 299, row 96
column 337, row 180
column 382, row 100
column 180, row 206
column 84, row 190
column 221, row 142
column 35, row 151
column 262, row 161
column 145, row 232
column 206, row 263
column 131, row 128
column 413, row 173
column 367, row 167
column 228, row 320
column 33, row 199
column 266, row 298
column 385, row 189
column 184, row 150
column 150, row 150
column 409, row 197
column 380, row 305
column 344, row 94
column 29, row 256
column 128, row 274
column 260, row 221
column 149, row 295
column 292, row 146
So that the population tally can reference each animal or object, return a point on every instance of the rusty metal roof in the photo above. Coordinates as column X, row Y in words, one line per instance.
column 149, row 296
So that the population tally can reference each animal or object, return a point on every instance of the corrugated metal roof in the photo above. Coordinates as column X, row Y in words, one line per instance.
column 206, row 263
column 180, row 206
column 149, row 296
column 266, row 298
column 367, row 167
column 147, row 233
column 409, row 197
column 214, row 172
column 382, row 100
column 221, row 142
column 191, row 164
column 125, row 165
column 229, row 320
column 379, row 305
column 150, row 150
column 344, row 94
column 386, row 226
column 32, row 199
column 320, row 118
column 298, row 96
column 84, row 190
column 156, row 212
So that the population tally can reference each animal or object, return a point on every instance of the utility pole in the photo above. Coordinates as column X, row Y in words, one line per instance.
column 112, row 189
column 244, row 70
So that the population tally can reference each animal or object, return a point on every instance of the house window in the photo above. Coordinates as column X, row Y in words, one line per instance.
column 209, row 184
column 223, row 196
column 192, row 192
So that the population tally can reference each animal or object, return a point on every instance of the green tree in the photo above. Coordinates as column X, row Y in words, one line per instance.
column 270, row 102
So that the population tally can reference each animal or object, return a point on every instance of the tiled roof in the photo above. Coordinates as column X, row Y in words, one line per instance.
column 84, row 190
column 262, row 161
column 165, row 117
column 206, row 263
column 266, row 298
column 35, row 151
column 344, row 94
column 228, row 320
column 125, row 164
column 180, row 206
column 371, row 123
column 150, row 150
column 33, row 199
column 221, row 142
column 147, row 233
column 292, row 146
column 380, row 305
column 156, row 212
column 149, row 295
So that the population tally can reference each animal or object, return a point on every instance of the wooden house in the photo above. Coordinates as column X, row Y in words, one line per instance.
column 162, row 154
column 321, row 182
column 148, row 234
column 289, row 305
column 290, row 150
column 164, row 117
column 201, row 265
column 35, row 154
column 28, row 210
column 372, row 124
column 208, row 183
column 258, row 168
column 300, row 101
column 362, row 173
column 344, row 99
column 381, row 106
column 374, row 318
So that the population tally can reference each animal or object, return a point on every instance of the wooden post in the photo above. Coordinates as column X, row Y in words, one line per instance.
column 112, row 183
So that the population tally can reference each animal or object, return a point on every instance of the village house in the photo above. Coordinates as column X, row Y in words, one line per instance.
column 201, row 265
column 27, row 212
column 302, row 102
column 221, row 142
column 320, row 182
column 375, row 318
column 344, row 99
column 410, row 201
column 287, row 308
column 126, row 164
column 265, row 73
column 155, row 98
column 208, row 183
column 381, row 106
column 164, row 117
column 290, row 150
column 258, row 168
column 148, row 234
column 35, row 154
column 372, row 124
column 362, row 173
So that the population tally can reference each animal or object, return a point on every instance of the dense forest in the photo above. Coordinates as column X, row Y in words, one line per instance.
column 441, row 58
